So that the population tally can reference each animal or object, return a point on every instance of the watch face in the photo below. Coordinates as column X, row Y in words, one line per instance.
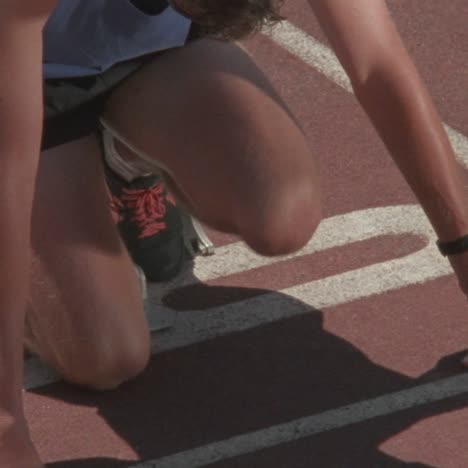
column 151, row 7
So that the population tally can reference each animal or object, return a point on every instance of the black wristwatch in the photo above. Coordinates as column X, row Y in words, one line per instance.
column 454, row 247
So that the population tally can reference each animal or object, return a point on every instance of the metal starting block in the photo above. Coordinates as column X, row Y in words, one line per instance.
column 196, row 240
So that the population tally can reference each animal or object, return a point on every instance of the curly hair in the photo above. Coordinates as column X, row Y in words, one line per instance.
column 234, row 19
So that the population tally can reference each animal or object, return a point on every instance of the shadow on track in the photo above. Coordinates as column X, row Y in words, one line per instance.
column 251, row 380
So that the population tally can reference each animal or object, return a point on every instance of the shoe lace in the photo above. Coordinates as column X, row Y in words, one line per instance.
column 149, row 208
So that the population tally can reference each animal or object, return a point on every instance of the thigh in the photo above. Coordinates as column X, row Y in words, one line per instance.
column 231, row 146
column 85, row 307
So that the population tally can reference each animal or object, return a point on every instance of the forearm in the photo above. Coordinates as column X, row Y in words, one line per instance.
column 14, row 250
column 20, row 133
column 403, row 113
column 388, row 86
column 18, row 167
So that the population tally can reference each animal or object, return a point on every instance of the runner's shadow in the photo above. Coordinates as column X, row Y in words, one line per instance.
column 251, row 380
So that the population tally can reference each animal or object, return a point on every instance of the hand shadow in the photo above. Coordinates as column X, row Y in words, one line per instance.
column 251, row 380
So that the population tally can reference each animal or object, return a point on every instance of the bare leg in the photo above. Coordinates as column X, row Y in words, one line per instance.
column 234, row 152
column 86, row 317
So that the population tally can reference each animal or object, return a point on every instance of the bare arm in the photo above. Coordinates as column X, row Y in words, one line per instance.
column 21, row 25
column 393, row 95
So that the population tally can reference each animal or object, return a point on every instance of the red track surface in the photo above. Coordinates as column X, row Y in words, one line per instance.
column 324, row 359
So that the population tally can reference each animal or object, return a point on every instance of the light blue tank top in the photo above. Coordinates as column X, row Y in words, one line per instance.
column 86, row 37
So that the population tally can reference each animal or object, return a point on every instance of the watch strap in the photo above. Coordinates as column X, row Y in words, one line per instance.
column 454, row 247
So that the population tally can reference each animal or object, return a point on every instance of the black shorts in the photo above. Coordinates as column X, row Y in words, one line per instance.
column 73, row 106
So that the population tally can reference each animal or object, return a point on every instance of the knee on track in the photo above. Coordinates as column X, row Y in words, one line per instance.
column 108, row 364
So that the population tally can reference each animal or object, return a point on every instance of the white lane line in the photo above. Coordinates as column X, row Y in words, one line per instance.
column 322, row 58
column 195, row 326
column 310, row 51
column 315, row 424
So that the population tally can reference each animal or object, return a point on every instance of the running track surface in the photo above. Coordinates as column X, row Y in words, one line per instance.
column 345, row 355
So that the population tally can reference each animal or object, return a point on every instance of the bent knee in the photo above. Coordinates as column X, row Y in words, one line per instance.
column 106, row 366
column 276, row 240
column 287, row 225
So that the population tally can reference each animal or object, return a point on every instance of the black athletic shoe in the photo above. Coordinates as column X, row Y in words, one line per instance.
column 149, row 223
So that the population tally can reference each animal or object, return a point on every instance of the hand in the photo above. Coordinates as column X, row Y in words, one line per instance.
column 17, row 449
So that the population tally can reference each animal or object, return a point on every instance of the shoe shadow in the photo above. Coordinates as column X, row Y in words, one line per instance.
column 254, row 379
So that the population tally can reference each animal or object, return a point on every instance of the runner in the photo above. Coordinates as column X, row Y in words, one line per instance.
column 205, row 118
